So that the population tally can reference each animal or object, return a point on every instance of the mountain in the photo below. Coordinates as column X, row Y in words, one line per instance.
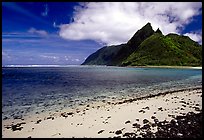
column 148, row 47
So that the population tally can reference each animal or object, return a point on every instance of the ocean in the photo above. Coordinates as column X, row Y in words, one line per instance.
column 31, row 90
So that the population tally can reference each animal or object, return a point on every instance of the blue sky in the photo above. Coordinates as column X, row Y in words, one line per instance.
column 68, row 32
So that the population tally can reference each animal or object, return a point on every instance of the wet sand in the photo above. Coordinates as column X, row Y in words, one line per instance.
column 141, row 117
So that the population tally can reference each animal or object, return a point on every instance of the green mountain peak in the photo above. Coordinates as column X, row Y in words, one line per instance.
column 158, row 31
column 147, row 47
column 140, row 35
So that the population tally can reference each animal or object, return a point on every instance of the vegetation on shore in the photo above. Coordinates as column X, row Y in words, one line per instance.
column 148, row 47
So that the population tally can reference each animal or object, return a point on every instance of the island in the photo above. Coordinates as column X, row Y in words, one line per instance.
column 150, row 48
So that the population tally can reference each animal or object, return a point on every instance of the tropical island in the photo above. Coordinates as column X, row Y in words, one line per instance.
column 150, row 48
column 120, row 91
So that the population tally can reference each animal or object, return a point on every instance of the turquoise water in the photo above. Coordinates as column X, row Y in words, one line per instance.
column 31, row 89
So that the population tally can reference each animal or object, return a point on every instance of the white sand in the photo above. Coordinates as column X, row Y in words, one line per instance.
column 109, row 118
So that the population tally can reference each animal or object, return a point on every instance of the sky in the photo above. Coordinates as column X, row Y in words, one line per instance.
column 66, row 33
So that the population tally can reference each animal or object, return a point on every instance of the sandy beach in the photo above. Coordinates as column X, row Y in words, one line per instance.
column 123, row 118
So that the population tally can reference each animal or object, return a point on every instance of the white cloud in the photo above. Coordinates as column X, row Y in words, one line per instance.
column 66, row 58
column 39, row 32
column 5, row 55
column 196, row 36
column 55, row 25
column 51, row 57
column 77, row 60
column 116, row 22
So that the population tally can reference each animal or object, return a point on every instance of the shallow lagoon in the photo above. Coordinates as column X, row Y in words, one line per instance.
column 27, row 90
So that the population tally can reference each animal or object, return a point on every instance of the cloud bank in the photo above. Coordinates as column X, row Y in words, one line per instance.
column 39, row 47
column 38, row 32
column 115, row 23
column 196, row 36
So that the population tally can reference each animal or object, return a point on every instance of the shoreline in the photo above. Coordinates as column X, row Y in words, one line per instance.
column 111, row 120
column 178, row 67
column 55, row 66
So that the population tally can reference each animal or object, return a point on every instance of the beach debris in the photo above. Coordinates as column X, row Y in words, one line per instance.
column 107, row 118
column 153, row 117
column 136, row 125
column 5, row 118
column 153, row 124
column 105, row 122
column 17, row 126
column 111, row 131
column 137, row 119
column 56, row 134
column 166, row 100
column 130, row 135
column 17, row 117
column 7, row 126
column 38, row 121
column 79, row 124
column 127, row 122
column 99, row 132
column 160, row 108
column 145, row 121
column 50, row 118
column 64, row 114
column 118, row 132
column 182, row 102
column 109, row 103
column 197, row 108
column 189, row 126
column 146, row 126
column 146, row 108
column 171, row 129
column 142, row 111
column 70, row 113
column 197, row 105
column 156, row 120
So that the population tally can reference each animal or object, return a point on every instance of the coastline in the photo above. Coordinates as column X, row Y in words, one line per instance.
column 124, row 118
column 148, row 66
column 178, row 67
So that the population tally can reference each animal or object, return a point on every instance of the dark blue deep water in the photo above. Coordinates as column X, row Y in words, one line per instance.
column 28, row 89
